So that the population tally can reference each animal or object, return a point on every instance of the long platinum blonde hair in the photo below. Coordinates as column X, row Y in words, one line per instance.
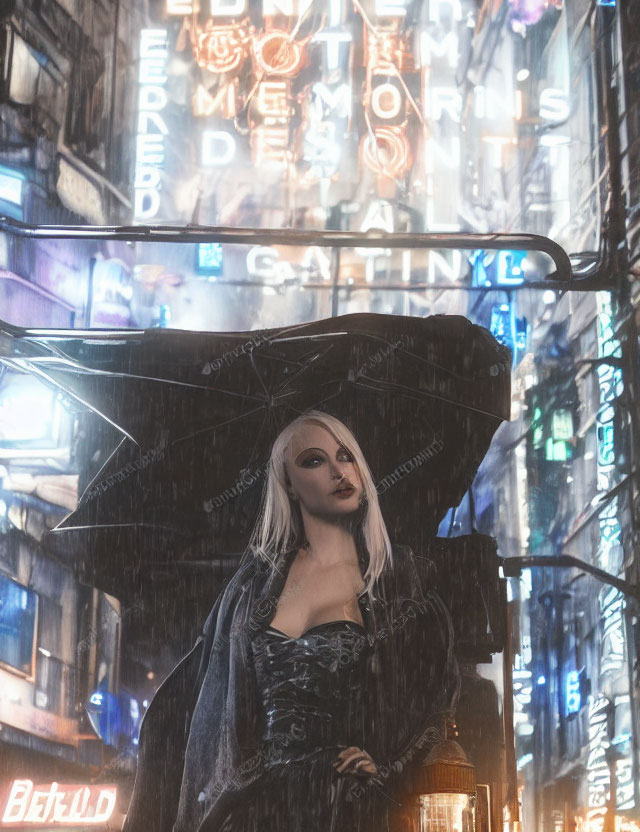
column 279, row 525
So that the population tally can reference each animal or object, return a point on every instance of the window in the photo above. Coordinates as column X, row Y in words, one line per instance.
column 18, row 616
column 21, row 69
column 48, row 694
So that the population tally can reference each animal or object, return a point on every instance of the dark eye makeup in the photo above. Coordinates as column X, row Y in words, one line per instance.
column 317, row 456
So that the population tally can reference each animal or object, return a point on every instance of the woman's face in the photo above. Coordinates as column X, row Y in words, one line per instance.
column 315, row 462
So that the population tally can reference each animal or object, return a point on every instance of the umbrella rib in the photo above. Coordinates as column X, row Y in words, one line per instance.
column 303, row 368
column 222, row 391
column 257, row 372
column 442, row 369
column 58, row 530
column 290, row 393
column 427, row 361
column 392, row 387
column 112, row 374
column 389, row 386
column 51, row 347
column 374, row 337
column 278, row 339
column 73, row 366
column 91, row 371
column 101, row 469
column 274, row 340
column 215, row 427
column 79, row 367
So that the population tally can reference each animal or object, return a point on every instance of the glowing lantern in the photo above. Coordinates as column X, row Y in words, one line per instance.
column 446, row 790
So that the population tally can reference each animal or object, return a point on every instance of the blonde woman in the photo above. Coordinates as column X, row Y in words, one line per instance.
column 324, row 670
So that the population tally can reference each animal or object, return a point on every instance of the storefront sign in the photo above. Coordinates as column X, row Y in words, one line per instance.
column 270, row 138
column 597, row 768
column 152, row 129
column 573, row 696
column 611, row 387
column 326, row 112
column 611, row 602
column 522, row 693
column 612, row 646
column 29, row 806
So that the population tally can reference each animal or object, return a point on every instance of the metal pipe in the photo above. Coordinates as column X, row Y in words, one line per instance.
column 279, row 236
column 513, row 566
column 335, row 281
column 507, row 713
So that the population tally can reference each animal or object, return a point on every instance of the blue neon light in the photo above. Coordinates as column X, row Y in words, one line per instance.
column 509, row 330
column 502, row 268
column 574, row 698
column 209, row 258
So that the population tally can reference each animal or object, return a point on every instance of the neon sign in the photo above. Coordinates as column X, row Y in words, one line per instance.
column 228, row 41
column 611, row 601
column 296, row 87
column 522, row 693
column 597, row 767
column 326, row 112
column 264, row 262
column 612, row 648
column 223, row 101
column 218, row 148
column 57, row 803
column 502, row 268
column 221, row 48
column 573, row 695
column 509, row 330
column 395, row 79
column 387, row 152
column 209, row 258
column 152, row 99
column 276, row 53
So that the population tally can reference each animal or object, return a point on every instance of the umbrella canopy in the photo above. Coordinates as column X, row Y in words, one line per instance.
column 198, row 413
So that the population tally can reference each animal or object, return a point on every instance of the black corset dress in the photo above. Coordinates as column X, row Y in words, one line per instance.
column 311, row 690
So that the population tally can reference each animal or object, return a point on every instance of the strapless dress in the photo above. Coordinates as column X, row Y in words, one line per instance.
column 311, row 689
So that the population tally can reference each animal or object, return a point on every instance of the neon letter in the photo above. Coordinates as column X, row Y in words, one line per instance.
column 386, row 101
column 17, row 802
column 218, row 148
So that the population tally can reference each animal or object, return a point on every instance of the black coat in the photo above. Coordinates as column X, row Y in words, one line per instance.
column 200, row 739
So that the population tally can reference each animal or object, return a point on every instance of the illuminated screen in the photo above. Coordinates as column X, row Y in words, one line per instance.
column 209, row 258
column 26, row 412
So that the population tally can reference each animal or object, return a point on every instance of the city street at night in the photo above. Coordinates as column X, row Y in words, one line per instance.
column 319, row 415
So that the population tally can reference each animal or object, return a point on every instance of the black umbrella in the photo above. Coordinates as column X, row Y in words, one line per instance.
column 198, row 413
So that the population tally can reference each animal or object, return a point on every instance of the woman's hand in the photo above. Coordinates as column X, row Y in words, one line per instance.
column 354, row 760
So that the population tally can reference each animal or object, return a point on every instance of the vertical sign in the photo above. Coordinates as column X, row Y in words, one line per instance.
column 152, row 130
